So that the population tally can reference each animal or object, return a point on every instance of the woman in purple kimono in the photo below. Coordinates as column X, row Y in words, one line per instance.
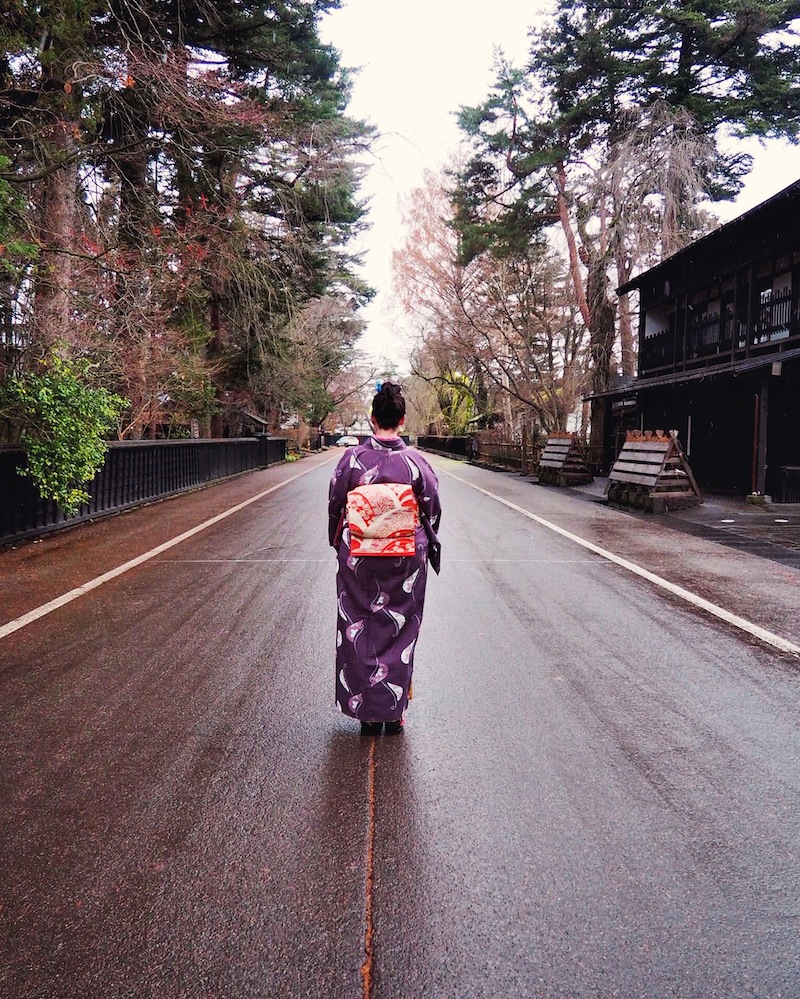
column 380, row 597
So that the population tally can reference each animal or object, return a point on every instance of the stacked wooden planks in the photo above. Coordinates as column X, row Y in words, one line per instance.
column 563, row 462
column 652, row 473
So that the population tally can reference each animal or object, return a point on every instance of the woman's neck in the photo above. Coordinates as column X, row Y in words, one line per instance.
column 385, row 435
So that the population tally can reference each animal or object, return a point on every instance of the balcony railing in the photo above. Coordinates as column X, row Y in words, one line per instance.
column 712, row 334
column 715, row 338
column 657, row 351
column 774, row 320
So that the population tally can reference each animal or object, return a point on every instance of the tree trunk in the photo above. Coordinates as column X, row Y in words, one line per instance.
column 602, row 332
column 627, row 341
column 55, row 235
column 572, row 247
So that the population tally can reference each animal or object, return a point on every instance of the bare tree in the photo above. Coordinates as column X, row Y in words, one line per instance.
column 655, row 179
column 507, row 320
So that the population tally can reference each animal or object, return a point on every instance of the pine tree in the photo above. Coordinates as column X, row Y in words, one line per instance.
column 548, row 137
column 200, row 161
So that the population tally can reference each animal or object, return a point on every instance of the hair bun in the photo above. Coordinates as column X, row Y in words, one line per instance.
column 389, row 406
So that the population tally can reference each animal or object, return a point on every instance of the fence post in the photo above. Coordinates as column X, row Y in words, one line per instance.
column 263, row 449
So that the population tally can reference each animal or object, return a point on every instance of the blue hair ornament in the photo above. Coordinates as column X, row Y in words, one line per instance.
column 378, row 385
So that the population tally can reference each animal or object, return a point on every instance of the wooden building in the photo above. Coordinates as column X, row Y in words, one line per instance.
column 719, row 354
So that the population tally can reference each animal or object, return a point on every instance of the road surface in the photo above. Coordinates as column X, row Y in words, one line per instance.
column 597, row 795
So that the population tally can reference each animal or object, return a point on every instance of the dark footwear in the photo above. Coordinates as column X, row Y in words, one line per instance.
column 371, row 728
column 394, row 727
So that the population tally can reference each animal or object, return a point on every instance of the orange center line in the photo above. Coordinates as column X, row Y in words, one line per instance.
column 366, row 967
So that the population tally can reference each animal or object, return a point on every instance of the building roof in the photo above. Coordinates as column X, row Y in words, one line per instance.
column 682, row 377
column 778, row 218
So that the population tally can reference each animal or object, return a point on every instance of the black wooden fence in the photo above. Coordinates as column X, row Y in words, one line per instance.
column 455, row 447
column 502, row 454
column 134, row 472
column 522, row 458
column 783, row 483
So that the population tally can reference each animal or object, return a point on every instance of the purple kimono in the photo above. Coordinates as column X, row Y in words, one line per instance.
column 380, row 598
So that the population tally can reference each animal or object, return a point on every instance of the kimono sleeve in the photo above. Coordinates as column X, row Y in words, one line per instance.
column 428, row 497
column 337, row 497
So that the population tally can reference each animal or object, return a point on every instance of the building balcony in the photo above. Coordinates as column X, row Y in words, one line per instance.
column 713, row 341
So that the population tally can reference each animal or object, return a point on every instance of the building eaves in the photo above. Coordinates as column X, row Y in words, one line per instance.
column 680, row 378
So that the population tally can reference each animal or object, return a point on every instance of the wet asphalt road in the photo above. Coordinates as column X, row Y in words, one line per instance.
column 597, row 795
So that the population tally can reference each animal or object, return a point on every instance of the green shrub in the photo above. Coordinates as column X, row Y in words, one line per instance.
column 63, row 422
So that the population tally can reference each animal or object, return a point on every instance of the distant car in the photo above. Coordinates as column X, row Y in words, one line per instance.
column 347, row 441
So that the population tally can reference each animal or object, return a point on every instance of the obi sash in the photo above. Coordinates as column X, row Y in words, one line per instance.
column 383, row 519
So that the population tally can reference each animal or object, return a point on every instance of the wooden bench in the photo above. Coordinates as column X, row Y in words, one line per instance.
column 652, row 473
column 563, row 462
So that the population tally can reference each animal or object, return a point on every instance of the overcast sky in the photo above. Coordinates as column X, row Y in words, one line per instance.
column 418, row 62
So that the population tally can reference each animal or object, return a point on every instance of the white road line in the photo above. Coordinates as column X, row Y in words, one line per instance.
column 768, row 637
column 528, row 561
column 79, row 591
column 238, row 561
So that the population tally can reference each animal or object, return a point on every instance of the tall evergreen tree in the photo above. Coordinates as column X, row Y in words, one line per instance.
column 547, row 136
column 191, row 164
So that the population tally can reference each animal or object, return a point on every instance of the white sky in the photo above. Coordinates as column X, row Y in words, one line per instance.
column 418, row 62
